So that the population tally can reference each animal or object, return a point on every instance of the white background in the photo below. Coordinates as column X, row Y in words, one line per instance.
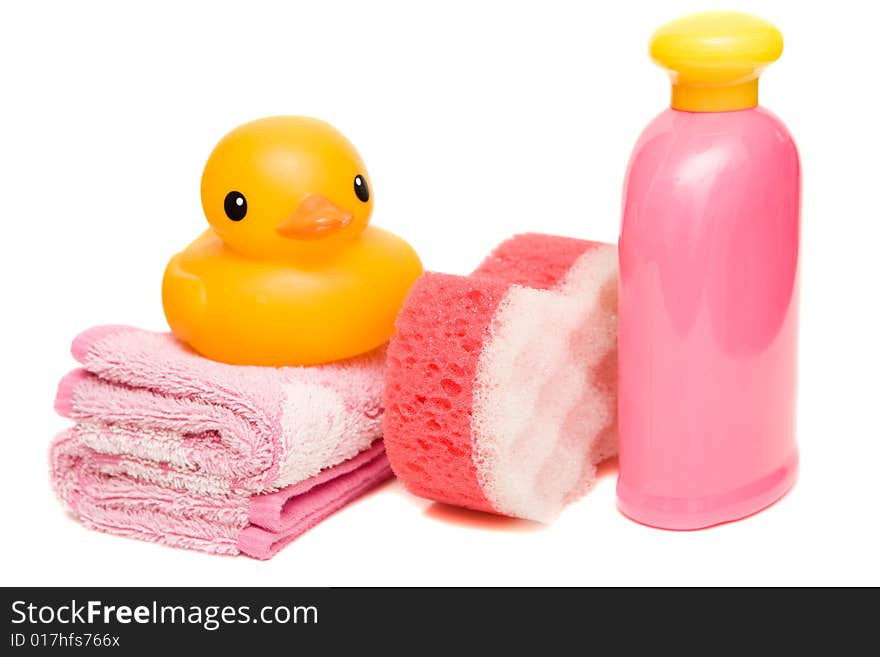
column 477, row 120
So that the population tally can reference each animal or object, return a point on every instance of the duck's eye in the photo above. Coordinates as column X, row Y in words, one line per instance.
column 360, row 188
column 235, row 205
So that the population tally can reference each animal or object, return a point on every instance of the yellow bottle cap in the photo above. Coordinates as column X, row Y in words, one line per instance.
column 714, row 59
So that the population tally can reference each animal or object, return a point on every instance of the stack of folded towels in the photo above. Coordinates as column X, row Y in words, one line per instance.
column 178, row 449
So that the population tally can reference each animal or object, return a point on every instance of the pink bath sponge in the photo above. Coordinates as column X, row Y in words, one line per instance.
column 500, row 387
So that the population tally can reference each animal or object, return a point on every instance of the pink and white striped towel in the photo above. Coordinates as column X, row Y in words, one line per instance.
column 174, row 448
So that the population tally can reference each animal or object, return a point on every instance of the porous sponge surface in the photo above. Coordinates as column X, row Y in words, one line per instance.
column 533, row 259
column 429, row 377
column 498, row 396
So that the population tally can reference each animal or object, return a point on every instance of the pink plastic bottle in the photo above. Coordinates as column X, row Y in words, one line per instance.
column 708, row 286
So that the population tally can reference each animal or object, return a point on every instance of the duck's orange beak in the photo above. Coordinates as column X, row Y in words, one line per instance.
column 316, row 216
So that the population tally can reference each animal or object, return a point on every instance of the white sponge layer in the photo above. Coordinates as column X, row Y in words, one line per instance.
column 543, row 409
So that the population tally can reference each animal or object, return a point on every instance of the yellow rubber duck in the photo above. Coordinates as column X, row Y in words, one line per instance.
column 289, row 272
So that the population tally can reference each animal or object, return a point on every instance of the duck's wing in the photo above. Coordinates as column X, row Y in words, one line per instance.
column 184, row 298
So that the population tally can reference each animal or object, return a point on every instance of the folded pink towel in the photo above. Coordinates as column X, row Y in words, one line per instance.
column 175, row 448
